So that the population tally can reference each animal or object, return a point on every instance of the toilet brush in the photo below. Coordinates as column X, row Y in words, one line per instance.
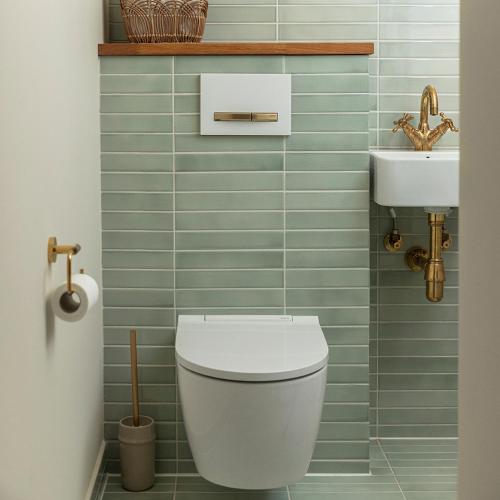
column 135, row 378
column 136, row 435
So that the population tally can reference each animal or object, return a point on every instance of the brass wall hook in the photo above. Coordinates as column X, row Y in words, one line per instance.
column 53, row 250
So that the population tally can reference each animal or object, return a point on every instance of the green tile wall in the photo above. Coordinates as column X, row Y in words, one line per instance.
column 235, row 225
column 413, row 343
column 413, row 361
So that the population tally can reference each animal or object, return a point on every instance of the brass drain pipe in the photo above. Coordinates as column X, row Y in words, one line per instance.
column 434, row 269
column 419, row 259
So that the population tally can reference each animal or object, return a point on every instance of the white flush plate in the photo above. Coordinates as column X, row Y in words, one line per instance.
column 250, row 93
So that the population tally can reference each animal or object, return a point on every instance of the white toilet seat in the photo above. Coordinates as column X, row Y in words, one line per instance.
column 251, row 348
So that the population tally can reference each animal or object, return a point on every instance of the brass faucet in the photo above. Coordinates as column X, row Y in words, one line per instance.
column 423, row 138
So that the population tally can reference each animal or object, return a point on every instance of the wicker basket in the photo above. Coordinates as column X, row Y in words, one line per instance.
column 150, row 21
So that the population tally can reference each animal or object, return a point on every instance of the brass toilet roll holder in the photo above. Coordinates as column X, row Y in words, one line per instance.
column 53, row 250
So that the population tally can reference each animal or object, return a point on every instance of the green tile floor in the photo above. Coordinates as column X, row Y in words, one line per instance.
column 409, row 469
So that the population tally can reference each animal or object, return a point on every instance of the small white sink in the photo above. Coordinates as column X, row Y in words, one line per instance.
column 416, row 178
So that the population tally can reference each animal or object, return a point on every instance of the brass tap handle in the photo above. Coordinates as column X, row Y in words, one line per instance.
column 446, row 240
column 399, row 124
column 448, row 122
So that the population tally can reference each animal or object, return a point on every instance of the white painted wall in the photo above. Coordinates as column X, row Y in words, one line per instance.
column 50, row 372
column 479, row 380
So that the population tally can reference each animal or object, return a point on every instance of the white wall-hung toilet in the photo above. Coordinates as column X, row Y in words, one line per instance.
column 252, row 390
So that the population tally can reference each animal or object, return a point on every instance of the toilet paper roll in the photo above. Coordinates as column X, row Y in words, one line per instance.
column 73, row 307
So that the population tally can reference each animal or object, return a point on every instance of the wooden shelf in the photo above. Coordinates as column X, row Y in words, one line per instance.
column 236, row 48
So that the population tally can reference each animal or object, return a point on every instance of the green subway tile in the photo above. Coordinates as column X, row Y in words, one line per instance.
column 187, row 103
column 187, row 123
column 138, row 279
column 329, row 83
column 327, row 220
column 331, row 32
column 420, row 365
column 326, row 278
column 137, row 260
column 344, row 374
column 193, row 143
column 188, row 84
column 327, row 161
column 346, row 413
column 346, row 335
column 229, row 260
column 327, row 239
column 336, row 467
column 329, row 451
column 137, row 221
column 138, row 298
column 136, row 182
column 129, row 316
column 418, row 347
column 241, row 14
column 145, row 335
column 228, row 220
column 229, row 279
column 136, row 65
column 145, row 355
column 229, row 298
column 327, row 259
column 328, row 103
column 327, row 13
column 136, row 162
column 334, row 200
column 227, row 161
column 426, row 312
column 329, row 122
column 136, row 104
column 148, row 393
column 327, row 298
column 136, row 142
column 141, row 123
column 395, row 416
column 137, row 240
column 229, row 201
column 416, row 431
column 327, row 180
column 229, row 240
column 117, row 374
column 327, row 142
column 226, row 181
column 137, row 201
column 344, row 354
column 245, row 32
column 418, row 398
column 322, row 65
column 343, row 430
column 136, row 84
column 418, row 381
column 227, row 64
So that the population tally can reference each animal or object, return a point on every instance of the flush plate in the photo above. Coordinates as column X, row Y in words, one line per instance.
column 245, row 94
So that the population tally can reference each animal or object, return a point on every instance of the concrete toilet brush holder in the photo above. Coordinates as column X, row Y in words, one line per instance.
column 136, row 435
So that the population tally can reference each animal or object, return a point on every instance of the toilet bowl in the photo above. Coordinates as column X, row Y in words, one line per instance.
column 251, row 390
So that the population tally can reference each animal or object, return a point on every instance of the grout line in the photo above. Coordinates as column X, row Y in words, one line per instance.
column 174, row 280
column 391, row 469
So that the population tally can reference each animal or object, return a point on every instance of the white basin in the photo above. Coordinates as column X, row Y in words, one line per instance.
column 416, row 178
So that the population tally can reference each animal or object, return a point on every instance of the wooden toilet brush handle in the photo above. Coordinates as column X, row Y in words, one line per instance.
column 135, row 383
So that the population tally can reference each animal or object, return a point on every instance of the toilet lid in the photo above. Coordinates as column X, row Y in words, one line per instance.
column 251, row 348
